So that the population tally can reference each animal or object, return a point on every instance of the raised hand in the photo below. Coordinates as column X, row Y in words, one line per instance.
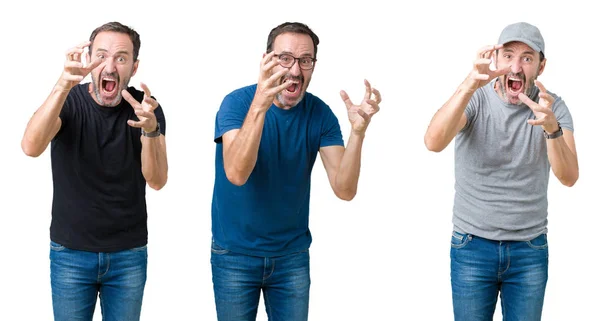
column 267, row 87
column 74, row 70
column 144, row 110
column 360, row 115
column 544, row 116
column 481, row 74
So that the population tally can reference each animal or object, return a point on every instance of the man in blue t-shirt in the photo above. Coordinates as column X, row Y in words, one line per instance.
column 268, row 135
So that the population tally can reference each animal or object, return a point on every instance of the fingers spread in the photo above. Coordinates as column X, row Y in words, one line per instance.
column 364, row 115
column 95, row 63
column 540, row 86
column 527, row 101
column 535, row 121
column 501, row 72
column 346, row 99
column 368, row 90
column 145, row 89
column 377, row 95
column 136, row 124
column 134, row 103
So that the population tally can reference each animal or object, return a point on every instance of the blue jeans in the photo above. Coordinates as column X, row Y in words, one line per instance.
column 480, row 268
column 78, row 276
column 238, row 280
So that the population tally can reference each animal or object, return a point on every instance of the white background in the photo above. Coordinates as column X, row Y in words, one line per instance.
column 382, row 256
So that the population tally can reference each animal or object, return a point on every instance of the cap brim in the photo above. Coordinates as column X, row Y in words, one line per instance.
column 525, row 41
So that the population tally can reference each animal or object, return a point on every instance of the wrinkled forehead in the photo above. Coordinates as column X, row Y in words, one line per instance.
column 294, row 43
column 112, row 42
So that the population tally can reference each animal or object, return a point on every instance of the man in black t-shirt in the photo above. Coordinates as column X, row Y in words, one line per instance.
column 107, row 143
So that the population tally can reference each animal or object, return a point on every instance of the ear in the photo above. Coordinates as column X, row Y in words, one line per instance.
column 135, row 67
column 542, row 67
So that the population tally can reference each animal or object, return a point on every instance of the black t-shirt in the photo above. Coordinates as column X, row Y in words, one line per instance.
column 99, row 199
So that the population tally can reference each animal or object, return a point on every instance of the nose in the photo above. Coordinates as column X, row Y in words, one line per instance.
column 516, row 67
column 109, row 66
column 295, row 68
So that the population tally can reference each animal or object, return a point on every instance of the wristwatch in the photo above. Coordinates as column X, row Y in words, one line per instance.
column 155, row 133
column 554, row 135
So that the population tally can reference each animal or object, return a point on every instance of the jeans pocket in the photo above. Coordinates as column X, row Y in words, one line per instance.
column 460, row 240
column 56, row 247
column 216, row 249
column 538, row 243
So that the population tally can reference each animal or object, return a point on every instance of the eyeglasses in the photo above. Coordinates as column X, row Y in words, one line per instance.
column 287, row 61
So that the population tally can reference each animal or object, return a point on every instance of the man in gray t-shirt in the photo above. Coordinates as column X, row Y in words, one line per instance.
column 509, row 132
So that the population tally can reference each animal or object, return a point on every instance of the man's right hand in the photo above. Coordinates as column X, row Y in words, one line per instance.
column 74, row 70
column 481, row 74
column 268, row 87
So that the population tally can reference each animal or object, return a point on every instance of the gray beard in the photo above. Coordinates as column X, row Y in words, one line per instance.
column 528, row 88
column 279, row 98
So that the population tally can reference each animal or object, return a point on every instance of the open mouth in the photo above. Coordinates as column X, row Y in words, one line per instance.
column 293, row 88
column 514, row 85
column 109, row 85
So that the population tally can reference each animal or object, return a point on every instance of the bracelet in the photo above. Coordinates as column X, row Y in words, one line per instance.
column 155, row 133
column 554, row 135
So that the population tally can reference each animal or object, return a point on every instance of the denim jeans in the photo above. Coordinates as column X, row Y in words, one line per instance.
column 78, row 277
column 482, row 268
column 238, row 280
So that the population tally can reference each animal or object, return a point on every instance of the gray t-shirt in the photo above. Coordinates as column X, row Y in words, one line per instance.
column 502, row 168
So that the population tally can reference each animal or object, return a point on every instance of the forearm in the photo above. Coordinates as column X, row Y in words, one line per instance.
column 242, row 153
column 563, row 161
column 346, row 180
column 446, row 122
column 154, row 161
column 42, row 125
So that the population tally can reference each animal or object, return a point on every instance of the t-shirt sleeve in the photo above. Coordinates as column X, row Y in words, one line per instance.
column 562, row 114
column 230, row 116
column 331, row 133
column 160, row 117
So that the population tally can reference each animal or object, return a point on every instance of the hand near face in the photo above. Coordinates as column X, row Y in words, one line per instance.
column 544, row 116
column 74, row 70
column 268, row 82
column 144, row 110
column 360, row 115
column 481, row 74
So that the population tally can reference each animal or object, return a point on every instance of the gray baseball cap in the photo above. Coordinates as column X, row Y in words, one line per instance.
column 525, row 33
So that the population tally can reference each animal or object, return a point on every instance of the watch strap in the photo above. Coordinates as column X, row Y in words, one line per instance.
column 155, row 133
column 554, row 135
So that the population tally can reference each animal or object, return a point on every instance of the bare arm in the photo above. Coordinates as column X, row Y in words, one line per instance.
column 45, row 122
column 562, row 154
column 563, row 158
column 343, row 164
column 154, row 149
column 451, row 118
column 240, row 146
column 154, row 161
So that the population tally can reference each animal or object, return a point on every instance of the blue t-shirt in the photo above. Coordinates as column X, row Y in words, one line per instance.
column 268, row 215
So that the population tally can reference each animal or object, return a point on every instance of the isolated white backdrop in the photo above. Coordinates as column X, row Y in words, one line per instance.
column 382, row 256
